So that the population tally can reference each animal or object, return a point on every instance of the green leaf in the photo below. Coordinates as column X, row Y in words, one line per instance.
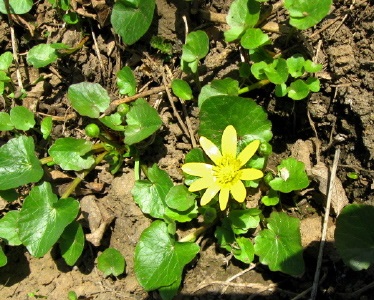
column 150, row 194
column 313, row 84
column 71, row 243
column 126, row 81
column 291, row 176
column 295, row 65
column 43, row 219
column 279, row 246
column 22, row 118
column 354, row 236
column 271, row 199
column 195, row 48
column 88, row 99
column 6, row 60
column 225, row 236
column 246, row 251
column 9, row 195
column 305, row 14
column 181, row 89
column 242, row 220
column 18, row 163
column 254, row 38
column 5, row 123
column 179, row 198
column 312, row 67
column 182, row 216
column 113, row 121
column 71, row 18
column 70, row 153
column 281, row 90
column 46, row 127
column 131, row 19
column 298, row 90
column 277, row 71
column 111, row 262
column 243, row 14
column 220, row 111
column 157, row 253
column 41, row 55
column 226, row 86
column 17, row 7
column 142, row 121
column 3, row 258
column 9, row 228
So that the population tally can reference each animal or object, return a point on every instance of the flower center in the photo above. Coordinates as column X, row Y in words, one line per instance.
column 227, row 171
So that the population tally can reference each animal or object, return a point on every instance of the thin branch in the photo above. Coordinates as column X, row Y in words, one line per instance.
column 325, row 222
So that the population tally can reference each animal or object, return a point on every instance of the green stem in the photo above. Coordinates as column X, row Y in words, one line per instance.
column 46, row 160
column 78, row 180
column 197, row 81
column 254, row 86
column 195, row 234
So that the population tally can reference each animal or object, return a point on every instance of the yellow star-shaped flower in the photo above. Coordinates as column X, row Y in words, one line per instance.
column 226, row 175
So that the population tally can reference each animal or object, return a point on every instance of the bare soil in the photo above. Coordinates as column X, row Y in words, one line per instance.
column 341, row 114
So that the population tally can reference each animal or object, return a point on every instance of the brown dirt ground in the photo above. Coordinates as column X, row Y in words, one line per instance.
column 342, row 113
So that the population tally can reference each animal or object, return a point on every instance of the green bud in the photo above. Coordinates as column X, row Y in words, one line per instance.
column 265, row 149
column 123, row 109
column 352, row 175
column 92, row 130
column 268, row 177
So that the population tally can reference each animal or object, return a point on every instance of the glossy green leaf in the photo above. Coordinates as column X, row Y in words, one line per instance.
column 3, row 258
column 43, row 218
column 226, row 86
column 131, row 19
column 291, row 176
column 72, row 154
column 113, row 121
column 41, row 55
column 181, row 89
column 5, row 123
column 18, row 163
column 46, row 127
column 195, row 48
column 88, row 99
column 225, row 236
column 354, row 236
column 295, row 65
column 281, row 90
column 242, row 220
column 242, row 14
column 305, row 14
column 182, row 216
column 271, row 199
column 254, row 38
column 277, row 72
column 142, row 121
column 298, row 90
column 9, row 195
column 180, row 198
column 246, row 251
column 71, row 243
column 312, row 67
column 220, row 111
column 9, row 228
column 22, row 118
column 314, row 84
column 158, row 253
column 71, row 18
column 111, row 262
column 17, row 7
column 126, row 81
column 279, row 246
column 150, row 194
column 6, row 60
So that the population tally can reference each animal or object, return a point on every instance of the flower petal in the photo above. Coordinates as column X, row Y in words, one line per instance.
column 238, row 191
column 223, row 198
column 201, row 183
column 250, row 174
column 198, row 169
column 210, row 149
column 229, row 141
column 211, row 191
column 248, row 152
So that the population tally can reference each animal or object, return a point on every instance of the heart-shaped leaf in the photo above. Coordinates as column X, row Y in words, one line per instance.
column 5, row 123
column 226, row 86
column 111, row 262
column 150, row 194
column 131, row 19
column 17, row 7
column 159, row 259
column 22, row 118
column 142, row 121
column 71, row 243
column 279, row 246
column 18, row 163
column 43, row 219
column 354, row 236
column 126, row 81
column 89, row 99
column 9, row 228
column 70, row 153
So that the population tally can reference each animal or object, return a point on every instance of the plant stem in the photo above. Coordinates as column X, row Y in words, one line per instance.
column 254, row 86
column 46, row 160
column 195, row 234
column 77, row 180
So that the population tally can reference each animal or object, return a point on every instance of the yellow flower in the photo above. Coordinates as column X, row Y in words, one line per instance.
column 226, row 175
